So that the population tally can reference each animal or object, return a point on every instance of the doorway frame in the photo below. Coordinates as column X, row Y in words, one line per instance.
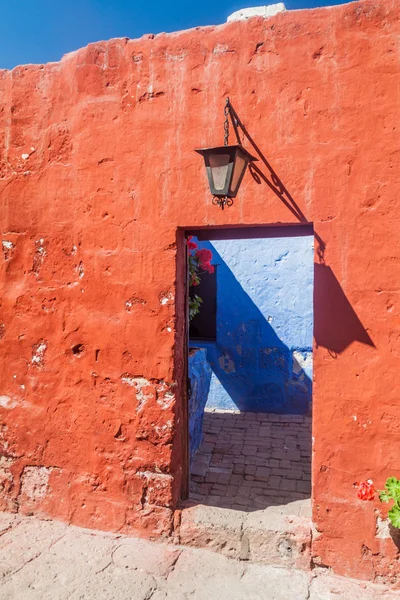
column 209, row 233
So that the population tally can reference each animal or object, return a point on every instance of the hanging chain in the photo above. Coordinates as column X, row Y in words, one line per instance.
column 226, row 124
column 223, row 201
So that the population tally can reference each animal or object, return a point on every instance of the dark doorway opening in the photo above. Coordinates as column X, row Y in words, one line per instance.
column 203, row 326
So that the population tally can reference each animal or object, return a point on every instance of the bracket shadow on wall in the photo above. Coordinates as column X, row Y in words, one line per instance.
column 336, row 324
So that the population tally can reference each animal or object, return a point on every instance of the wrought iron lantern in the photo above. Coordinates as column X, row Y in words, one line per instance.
column 225, row 166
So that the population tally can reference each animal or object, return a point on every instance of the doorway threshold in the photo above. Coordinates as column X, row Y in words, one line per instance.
column 276, row 535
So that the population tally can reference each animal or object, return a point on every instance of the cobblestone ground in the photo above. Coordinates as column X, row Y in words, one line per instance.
column 249, row 461
column 47, row 560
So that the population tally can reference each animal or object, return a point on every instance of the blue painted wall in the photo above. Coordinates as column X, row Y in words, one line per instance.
column 199, row 372
column 262, row 358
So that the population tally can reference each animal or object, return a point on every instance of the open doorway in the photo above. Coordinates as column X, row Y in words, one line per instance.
column 250, row 366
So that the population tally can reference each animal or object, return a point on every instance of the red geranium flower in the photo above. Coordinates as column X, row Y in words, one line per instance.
column 365, row 490
column 191, row 245
column 204, row 255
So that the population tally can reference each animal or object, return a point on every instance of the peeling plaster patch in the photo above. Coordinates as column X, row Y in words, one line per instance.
column 128, row 379
column 38, row 352
column 156, row 488
column 160, row 430
column 40, row 246
column 8, row 249
column 166, row 400
column 165, row 395
column 5, row 461
column 48, row 304
column 222, row 49
column 176, row 56
column 35, row 481
column 3, row 434
column 166, row 297
column 226, row 364
column 8, row 402
column 149, row 475
column 134, row 300
column 382, row 531
column 25, row 156
column 39, row 256
column 139, row 383
column 6, row 478
column 71, row 252
column 136, row 58
column 150, row 95
column 169, row 329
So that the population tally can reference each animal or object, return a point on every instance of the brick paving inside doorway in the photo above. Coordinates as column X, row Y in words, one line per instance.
column 249, row 461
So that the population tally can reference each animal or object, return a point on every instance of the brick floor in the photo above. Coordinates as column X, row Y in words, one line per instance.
column 249, row 461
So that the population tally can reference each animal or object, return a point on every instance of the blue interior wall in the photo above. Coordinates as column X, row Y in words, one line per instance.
column 262, row 358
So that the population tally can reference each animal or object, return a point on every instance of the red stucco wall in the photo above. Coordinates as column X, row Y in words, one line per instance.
column 97, row 175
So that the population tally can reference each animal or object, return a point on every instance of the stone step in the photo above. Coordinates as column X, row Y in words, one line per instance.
column 277, row 535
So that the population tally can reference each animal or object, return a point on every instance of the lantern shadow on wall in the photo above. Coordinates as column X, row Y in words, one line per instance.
column 336, row 324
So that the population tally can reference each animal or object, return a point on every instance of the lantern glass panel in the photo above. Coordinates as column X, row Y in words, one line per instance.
column 219, row 164
column 240, row 165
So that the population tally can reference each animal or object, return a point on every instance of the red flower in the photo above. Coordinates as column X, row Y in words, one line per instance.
column 204, row 255
column 191, row 245
column 365, row 490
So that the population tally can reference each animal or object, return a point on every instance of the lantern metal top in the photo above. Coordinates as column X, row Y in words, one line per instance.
column 204, row 151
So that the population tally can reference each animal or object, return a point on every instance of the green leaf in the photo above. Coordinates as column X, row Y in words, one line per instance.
column 194, row 306
column 384, row 496
column 394, row 516
column 393, row 488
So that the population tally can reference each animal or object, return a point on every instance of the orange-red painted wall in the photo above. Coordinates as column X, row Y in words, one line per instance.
column 97, row 175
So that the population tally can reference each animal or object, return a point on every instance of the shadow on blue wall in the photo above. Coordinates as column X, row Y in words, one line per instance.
column 256, row 370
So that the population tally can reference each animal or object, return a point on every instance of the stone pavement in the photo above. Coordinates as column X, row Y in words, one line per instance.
column 248, row 461
column 47, row 560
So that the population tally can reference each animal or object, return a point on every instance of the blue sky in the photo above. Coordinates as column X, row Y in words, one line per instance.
column 39, row 31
